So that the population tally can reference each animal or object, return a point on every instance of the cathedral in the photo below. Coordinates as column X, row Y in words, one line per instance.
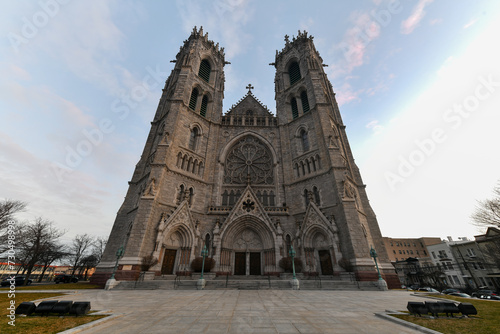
column 246, row 184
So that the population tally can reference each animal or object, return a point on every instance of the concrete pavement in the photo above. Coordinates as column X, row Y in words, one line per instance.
column 245, row 311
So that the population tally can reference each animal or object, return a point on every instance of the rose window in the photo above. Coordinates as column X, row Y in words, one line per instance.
column 249, row 161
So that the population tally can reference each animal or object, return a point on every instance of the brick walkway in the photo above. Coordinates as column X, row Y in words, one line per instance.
column 243, row 311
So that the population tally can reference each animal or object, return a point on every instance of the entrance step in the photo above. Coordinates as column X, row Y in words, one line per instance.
column 247, row 283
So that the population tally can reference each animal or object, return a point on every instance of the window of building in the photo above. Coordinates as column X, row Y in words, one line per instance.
column 455, row 279
column 480, row 265
column 394, row 251
column 316, row 196
column 295, row 109
column 400, row 251
column 425, row 253
column 294, row 73
column 305, row 140
column 305, row 102
column 194, row 99
column 204, row 105
column 204, row 71
column 191, row 195
column 193, row 139
column 433, row 254
column 207, row 241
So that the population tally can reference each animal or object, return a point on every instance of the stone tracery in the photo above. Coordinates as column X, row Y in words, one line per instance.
column 249, row 161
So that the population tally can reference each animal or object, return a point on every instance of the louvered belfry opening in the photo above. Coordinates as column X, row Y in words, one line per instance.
column 204, row 104
column 204, row 71
column 295, row 109
column 194, row 99
column 294, row 72
column 305, row 102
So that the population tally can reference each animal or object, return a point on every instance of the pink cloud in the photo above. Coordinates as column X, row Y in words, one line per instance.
column 418, row 13
column 470, row 23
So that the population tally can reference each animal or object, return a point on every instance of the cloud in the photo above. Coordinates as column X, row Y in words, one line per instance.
column 225, row 23
column 355, row 42
column 418, row 13
column 375, row 126
column 78, row 202
column 346, row 94
column 470, row 23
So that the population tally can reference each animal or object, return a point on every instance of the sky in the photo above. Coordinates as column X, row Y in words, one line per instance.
column 417, row 82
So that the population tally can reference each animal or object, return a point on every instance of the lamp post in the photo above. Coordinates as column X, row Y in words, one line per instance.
column 111, row 282
column 381, row 282
column 204, row 254
column 295, row 281
column 201, row 282
column 292, row 255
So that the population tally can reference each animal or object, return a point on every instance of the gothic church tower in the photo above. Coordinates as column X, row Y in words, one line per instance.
column 248, row 185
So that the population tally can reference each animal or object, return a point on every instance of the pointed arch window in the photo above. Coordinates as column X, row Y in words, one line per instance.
column 204, row 71
column 191, row 195
column 193, row 139
column 295, row 109
column 194, row 99
column 305, row 102
column 207, row 241
column 306, row 197
column 181, row 193
column 288, row 243
column 204, row 105
column 316, row 196
column 294, row 73
column 305, row 140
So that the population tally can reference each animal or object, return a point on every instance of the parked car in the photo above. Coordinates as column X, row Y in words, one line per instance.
column 19, row 280
column 65, row 279
column 428, row 289
column 485, row 294
column 449, row 291
column 459, row 294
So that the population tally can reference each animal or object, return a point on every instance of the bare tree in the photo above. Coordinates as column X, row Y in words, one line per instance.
column 487, row 213
column 35, row 240
column 54, row 253
column 98, row 247
column 8, row 208
column 79, row 248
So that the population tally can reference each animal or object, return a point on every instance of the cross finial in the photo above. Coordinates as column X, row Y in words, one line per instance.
column 250, row 87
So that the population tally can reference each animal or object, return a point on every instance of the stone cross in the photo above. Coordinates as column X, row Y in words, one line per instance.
column 250, row 87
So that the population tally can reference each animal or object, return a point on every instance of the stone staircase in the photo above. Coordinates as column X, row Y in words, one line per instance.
column 171, row 282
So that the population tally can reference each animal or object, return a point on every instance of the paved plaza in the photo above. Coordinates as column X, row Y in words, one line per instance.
column 245, row 311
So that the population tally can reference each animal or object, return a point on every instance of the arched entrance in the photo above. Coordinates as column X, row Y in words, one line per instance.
column 319, row 251
column 247, row 247
column 174, row 251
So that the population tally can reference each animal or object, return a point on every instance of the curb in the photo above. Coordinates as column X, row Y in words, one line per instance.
column 386, row 315
column 92, row 324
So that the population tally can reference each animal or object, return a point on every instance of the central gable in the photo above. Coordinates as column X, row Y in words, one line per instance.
column 249, row 106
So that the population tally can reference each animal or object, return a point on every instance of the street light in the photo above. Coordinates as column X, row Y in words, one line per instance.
column 374, row 255
column 119, row 254
column 204, row 253
column 292, row 255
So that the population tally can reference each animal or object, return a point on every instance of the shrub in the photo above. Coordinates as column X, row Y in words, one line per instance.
column 286, row 264
column 197, row 263
column 147, row 262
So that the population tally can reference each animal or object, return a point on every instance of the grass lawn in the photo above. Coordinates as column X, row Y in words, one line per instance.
column 60, row 286
column 486, row 321
column 38, row 324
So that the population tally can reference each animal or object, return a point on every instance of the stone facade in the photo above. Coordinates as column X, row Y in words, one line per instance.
column 247, row 184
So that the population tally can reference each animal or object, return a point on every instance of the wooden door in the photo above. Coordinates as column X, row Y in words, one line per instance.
column 326, row 262
column 168, row 262
column 240, row 263
column 254, row 263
